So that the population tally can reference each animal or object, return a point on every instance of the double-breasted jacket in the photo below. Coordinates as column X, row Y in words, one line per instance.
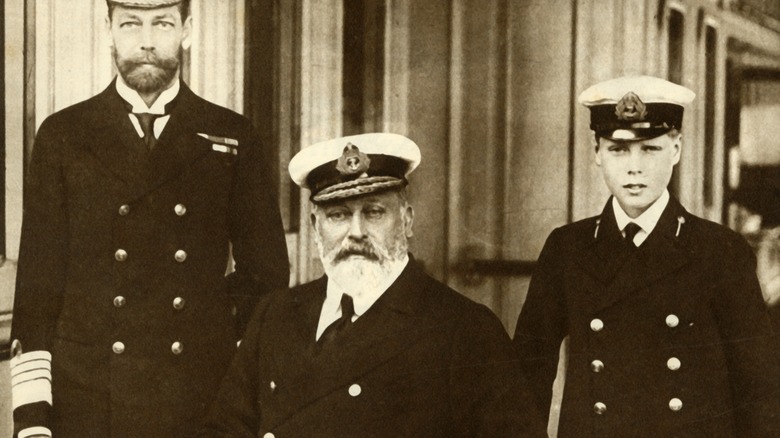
column 671, row 339
column 123, row 259
column 423, row 361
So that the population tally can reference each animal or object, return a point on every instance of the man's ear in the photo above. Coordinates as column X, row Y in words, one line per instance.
column 107, row 31
column 408, row 221
column 677, row 145
column 186, row 40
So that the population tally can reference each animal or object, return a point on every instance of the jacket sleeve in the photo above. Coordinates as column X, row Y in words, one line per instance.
column 235, row 412
column 40, row 280
column 749, row 343
column 257, row 236
column 542, row 324
column 489, row 391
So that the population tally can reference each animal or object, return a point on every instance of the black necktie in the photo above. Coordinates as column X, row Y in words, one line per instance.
column 146, row 121
column 631, row 229
column 337, row 327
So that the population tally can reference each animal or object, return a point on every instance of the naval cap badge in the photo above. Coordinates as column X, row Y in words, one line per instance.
column 352, row 161
column 630, row 108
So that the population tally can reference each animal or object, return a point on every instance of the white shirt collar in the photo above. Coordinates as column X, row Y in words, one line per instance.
column 331, row 308
column 647, row 220
column 139, row 106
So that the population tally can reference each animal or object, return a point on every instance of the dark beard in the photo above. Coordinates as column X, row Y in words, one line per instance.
column 139, row 76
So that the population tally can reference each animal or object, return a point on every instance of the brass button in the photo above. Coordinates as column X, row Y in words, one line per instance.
column 177, row 347
column 119, row 301
column 675, row 404
column 120, row 255
column 599, row 408
column 597, row 366
column 355, row 390
column 124, row 210
column 269, row 435
column 180, row 209
column 178, row 303
column 180, row 255
column 118, row 347
column 596, row 325
column 672, row 321
column 673, row 363
column 272, row 385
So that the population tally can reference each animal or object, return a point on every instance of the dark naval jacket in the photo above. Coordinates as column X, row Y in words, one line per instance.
column 123, row 259
column 423, row 361
column 671, row 339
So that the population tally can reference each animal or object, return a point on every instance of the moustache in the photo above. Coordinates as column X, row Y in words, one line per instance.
column 364, row 249
column 151, row 58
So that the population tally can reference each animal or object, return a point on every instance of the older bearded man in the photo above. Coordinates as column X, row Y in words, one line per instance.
column 376, row 347
column 124, row 321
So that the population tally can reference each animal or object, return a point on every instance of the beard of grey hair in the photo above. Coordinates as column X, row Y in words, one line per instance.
column 139, row 76
column 365, row 275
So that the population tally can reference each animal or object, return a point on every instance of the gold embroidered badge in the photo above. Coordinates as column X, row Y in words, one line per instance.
column 630, row 108
column 352, row 161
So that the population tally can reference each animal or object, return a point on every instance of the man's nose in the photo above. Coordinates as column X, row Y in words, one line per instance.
column 357, row 227
column 147, row 37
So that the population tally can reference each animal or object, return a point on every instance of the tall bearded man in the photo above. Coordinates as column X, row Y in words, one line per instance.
column 124, row 320
column 375, row 347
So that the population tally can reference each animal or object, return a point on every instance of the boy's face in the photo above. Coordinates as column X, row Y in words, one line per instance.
column 637, row 172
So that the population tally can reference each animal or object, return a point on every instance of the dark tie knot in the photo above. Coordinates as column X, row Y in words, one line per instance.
column 146, row 120
column 630, row 230
column 334, row 330
column 347, row 307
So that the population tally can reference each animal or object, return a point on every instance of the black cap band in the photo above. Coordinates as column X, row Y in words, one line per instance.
column 328, row 175
column 659, row 117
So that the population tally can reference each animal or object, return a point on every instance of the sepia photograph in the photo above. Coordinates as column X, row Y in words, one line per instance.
column 390, row 218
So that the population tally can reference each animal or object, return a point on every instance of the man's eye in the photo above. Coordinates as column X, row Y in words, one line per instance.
column 165, row 24
column 374, row 213
column 337, row 215
column 128, row 24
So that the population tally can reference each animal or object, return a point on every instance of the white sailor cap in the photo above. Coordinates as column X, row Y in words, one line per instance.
column 635, row 107
column 355, row 165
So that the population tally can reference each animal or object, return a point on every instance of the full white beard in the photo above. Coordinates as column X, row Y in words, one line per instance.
column 361, row 277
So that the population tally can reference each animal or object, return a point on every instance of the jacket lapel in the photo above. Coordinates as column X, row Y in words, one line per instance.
column 383, row 332
column 114, row 141
column 622, row 272
column 179, row 145
column 120, row 150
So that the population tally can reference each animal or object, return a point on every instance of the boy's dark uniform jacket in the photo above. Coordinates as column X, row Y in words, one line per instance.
column 681, row 317
column 423, row 361
column 93, row 190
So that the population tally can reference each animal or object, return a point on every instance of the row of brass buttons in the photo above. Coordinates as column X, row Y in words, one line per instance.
column 178, row 302
column 673, row 364
column 121, row 255
column 179, row 209
column 597, row 325
column 176, row 348
column 354, row 390
column 675, row 405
